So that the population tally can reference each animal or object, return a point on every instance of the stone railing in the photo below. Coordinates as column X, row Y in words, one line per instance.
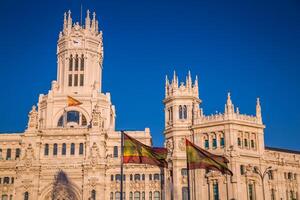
column 219, row 117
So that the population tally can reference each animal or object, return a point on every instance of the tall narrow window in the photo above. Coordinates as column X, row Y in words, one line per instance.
column 214, row 143
column 206, row 144
column 180, row 112
column 184, row 112
column 118, row 196
column 82, row 63
column 70, row 80
column 46, row 150
column 150, row 195
column 251, row 192
column 130, row 196
column 222, row 142
column 71, row 63
column 252, row 144
column 1, row 154
column 143, row 177
column 8, row 154
column 93, row 194
column 72, row 151
column 246, row 142
column 64, row 149
column 150, row 177
column 75, row 79
column 26, row 196
column 18, row 153
column 216, row 191
column 116, row 151
column 273, row 194
column 143, row 195
column 76, row 63
column 111, row 196
column 137, row 195
column 55, row 149
column 239, row 142
column 184, row 193
column 81, row 79
column 242, row 169
column 81, row 149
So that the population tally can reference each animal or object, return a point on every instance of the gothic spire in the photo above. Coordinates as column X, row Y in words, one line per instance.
column 87, row 20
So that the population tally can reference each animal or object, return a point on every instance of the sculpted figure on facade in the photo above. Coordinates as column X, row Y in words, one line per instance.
column 97, row 119
column 33, row 119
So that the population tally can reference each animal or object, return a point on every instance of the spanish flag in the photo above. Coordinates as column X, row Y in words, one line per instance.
column 139, row 153
column 199, row 158
column 73, row 102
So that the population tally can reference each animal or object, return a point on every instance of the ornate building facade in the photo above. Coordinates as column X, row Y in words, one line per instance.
column 73, row 152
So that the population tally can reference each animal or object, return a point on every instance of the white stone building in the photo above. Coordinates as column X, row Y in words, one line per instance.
column 73, row 152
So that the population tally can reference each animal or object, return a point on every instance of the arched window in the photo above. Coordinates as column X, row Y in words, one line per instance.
column 273, row 195
column 180, row 112
column 143, row 177
column 111, row 196
column 6, row 180
column 46, row 150
column 93, row 195
column 150, row 177
column 242, row 169
column 150, row 195
column 55, row 149
column 111, row 177
column 184, row 112
column 1, row 154
column 214, row 143
column 252, row 144
column 251, row 191
column 156, row 195
column 73, row 118
column 72, row 150
column 26, row 196
column 216, row 191
column 118, row 177
column 18, row 153
column 12, row 180
column 116, row 154
column 8, row 154
column 137, row 195
column 246, row 142
column 143, row 195
column 130, row 196
column 81, row 149
column 206, row 143
column 64, row 149
column 76, row 63
column 156, row 177
column 118, row 196
column 131, row 178
column 222, row 141
column 71, row 63
column 82, row 63
column 137, row 177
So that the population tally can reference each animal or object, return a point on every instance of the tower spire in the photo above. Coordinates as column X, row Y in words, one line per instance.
column 258, row 110
column 88, row 20
column 65, row 22
column 69, row 21
column 94, row 22
column 229, row 107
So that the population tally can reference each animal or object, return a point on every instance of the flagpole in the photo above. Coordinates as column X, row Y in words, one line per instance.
column 188, row 174
column 122, row 176
column 162, row 181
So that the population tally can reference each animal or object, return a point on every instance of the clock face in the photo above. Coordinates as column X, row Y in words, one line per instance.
column 76, row 42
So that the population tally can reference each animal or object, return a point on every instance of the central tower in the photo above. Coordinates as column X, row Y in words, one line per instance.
column 79, row 56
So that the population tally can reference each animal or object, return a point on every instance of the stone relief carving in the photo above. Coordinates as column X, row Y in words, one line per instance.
column 29, row 156
column 94, row 156
column 181, row 144
column 170, row 146
column 97, row 119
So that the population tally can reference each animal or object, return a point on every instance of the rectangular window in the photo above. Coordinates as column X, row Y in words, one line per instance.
column 214, row 143
column 76, row 80
column 206, row 144
column 18, row 153
column 245, row 142
column 242, row 169
column 185, row 193
column 70, row 80
column 252, row 144
column 46, row 150
column 81, row 79
column 222, row 142
column 115, row 152
column 239, row 142
column 184, row 172
column 216, row 191
column 81, row 149
column 251, row 192
column 8, row 154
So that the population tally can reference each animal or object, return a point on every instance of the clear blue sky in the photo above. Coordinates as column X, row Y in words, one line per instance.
column 250, row 48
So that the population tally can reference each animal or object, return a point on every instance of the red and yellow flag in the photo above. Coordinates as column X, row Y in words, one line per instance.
column 199, row 158
column 139, row 153
column 73, row 102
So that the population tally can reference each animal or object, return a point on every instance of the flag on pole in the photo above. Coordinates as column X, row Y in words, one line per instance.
column 73, row 102
column 139, row 153
column 199, row 158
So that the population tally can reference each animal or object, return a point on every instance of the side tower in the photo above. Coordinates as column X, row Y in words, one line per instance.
column 181, row 108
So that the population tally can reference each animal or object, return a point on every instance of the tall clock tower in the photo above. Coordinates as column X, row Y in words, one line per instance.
column 79, row 56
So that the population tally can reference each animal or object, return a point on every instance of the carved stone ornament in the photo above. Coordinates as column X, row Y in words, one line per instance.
column 94, row 154
column 170, row 147
column 97, row 119
column 29, row 156
column 181, row 144
column 33, row 118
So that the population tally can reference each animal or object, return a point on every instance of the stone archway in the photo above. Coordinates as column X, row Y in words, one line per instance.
column 62, row 189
